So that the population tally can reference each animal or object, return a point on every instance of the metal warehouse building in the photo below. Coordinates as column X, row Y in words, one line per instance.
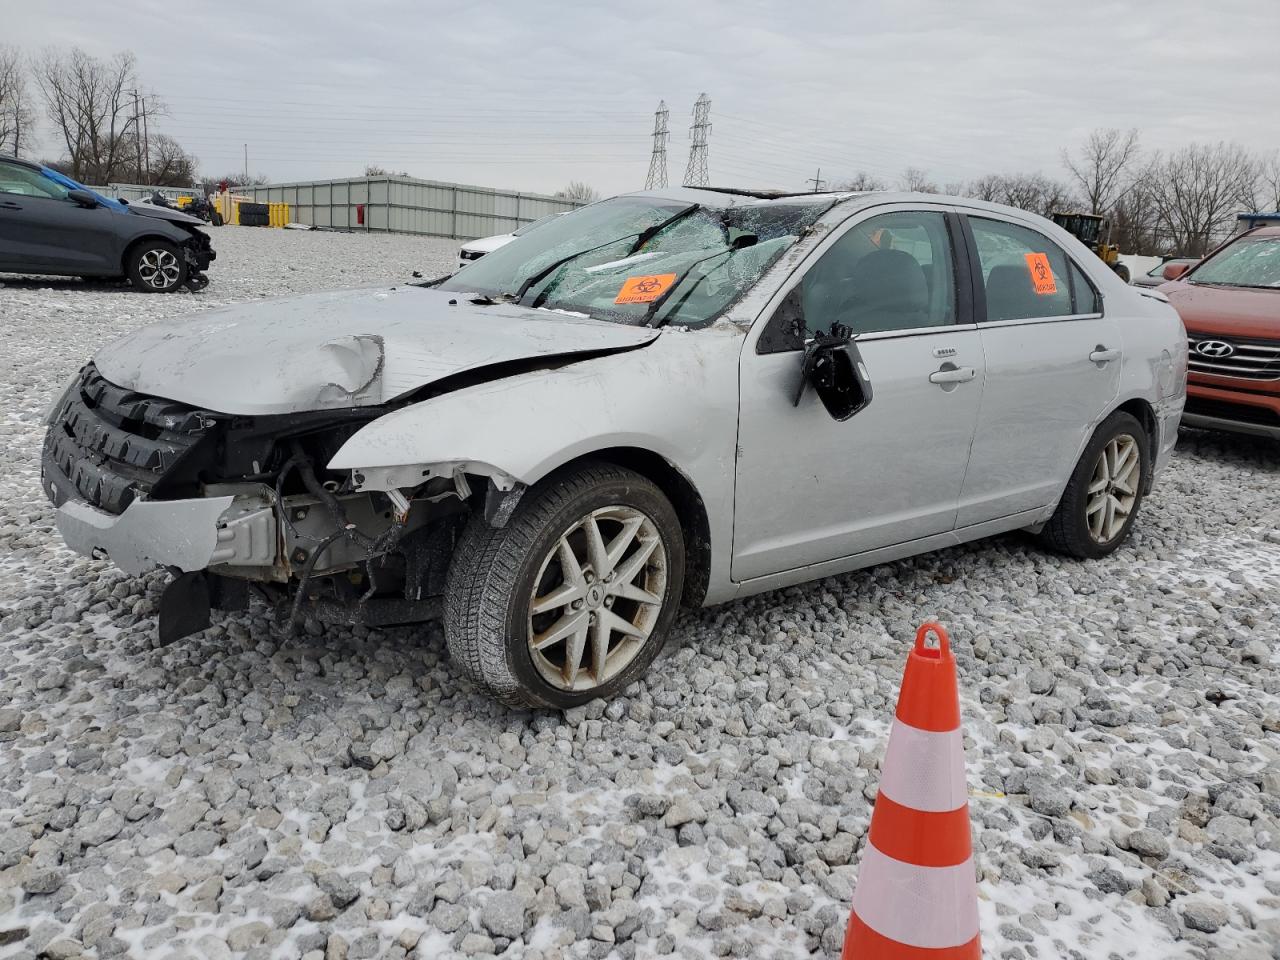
column 408, row 205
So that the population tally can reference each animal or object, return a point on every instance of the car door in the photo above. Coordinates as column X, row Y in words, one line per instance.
column 811, row 488
column 41, row 228
column 1053, row 367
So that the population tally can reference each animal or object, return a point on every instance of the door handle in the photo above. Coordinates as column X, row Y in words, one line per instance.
column 952, row 374
column 1102, row 355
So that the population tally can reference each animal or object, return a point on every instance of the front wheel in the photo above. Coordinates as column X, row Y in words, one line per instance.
column 573, row 598
column 156, row 266
column 1105, row 491
column 1121, row 271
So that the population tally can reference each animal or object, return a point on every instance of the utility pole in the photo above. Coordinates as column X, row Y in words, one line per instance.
column 817, row 181
column 695, row 174
column 146, row 145
column 137, row 138
column 246, row 163
column 657, row 178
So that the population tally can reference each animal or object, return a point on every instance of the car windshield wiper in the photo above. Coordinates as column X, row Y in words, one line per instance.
column 739, row 243
column 642, row 237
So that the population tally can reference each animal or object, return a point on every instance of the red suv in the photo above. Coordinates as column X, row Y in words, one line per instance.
column 1230, row 305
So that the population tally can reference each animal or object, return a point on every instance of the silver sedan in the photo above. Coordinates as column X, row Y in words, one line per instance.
column 666, row 398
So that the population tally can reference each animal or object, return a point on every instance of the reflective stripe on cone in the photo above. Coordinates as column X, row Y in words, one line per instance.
column 919, row 906
column 924, row 770
column 863, row 943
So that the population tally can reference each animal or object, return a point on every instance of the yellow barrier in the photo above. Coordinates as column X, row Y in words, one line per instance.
column 228, row 205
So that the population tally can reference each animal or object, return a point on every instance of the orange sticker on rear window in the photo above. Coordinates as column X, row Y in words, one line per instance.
column 645, row 289
column 1041, row 274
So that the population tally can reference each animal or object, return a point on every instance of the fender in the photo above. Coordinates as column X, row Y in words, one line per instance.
column 519, row 429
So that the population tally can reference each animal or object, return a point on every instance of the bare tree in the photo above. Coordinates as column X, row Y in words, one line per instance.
column 171, row 166
column 1028, row 191
column 1195, row 191
column 232, row 180
column 915, row 180
column 579, row 192
column 17, row 119
column 373, row 170
column 989, row 188
column 94, row 107
column 1102, row 165
column 861, row 182
column 1264, row 194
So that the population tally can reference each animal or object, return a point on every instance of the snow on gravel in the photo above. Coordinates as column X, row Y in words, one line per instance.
column 347, row 794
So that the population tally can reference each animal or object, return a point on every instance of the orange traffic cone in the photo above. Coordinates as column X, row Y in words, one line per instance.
column 917, row 896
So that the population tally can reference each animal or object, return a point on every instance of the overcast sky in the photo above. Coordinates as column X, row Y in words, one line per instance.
column 526, row 95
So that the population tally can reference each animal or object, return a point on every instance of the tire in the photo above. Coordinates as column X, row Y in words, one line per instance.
column 156, row 266
column 489, row 627
column 1076, row 528
column 1122, row 272
column 215, row 218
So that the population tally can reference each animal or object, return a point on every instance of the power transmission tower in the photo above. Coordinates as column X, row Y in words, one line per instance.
column 657, row 178
column 695, row 174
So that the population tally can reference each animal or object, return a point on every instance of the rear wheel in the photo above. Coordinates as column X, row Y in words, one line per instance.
column 1105, row 491
column 572, row 599
column 1121, row 271
column 156, row 266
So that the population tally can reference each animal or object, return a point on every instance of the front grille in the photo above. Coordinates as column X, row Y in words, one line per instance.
column 110, row 445
column 1225, row 410
column 1245, row 359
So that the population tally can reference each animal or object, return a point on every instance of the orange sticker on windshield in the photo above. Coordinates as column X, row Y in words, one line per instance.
column 645, row 289
column 1041, row 274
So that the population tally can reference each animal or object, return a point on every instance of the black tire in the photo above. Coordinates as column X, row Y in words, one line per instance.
column 215, row 218
column 492, row 578
column 152, row 259
column 1068, row 530
column 1121, row 271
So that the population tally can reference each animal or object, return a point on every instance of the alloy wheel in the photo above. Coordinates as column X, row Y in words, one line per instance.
column 159, row 269
column 1113, row 489
column 597, row 597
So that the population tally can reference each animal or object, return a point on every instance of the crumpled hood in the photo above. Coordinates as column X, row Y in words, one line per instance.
column 342, row 349
column 144, row 209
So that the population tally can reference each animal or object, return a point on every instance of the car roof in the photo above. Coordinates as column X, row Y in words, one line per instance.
column 724, row 197
column 1263, row 232
column 20, row 162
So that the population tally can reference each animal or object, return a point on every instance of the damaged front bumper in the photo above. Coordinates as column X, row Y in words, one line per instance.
column 187, row 534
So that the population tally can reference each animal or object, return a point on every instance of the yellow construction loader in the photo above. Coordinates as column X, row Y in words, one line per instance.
column 1094, row 232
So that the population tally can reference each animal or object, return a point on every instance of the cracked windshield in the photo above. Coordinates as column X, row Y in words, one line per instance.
column 1246, row 263
column 641, row 260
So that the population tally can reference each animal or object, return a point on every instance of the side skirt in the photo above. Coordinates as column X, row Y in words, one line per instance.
column 953, row 538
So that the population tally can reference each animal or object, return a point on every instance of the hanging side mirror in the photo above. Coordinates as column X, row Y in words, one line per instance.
column 83, row 197
column 833, row 366
column 1174, row 270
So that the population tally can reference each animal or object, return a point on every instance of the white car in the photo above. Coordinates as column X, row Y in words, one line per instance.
column 473, row 250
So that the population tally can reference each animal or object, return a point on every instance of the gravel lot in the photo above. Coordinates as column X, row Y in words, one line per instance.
column 348, row 795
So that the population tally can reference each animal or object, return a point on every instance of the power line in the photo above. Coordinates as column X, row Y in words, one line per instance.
column 657, row 178
column 696, row 173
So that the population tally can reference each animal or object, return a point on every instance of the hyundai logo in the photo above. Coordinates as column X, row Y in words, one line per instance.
column 1215, row 348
